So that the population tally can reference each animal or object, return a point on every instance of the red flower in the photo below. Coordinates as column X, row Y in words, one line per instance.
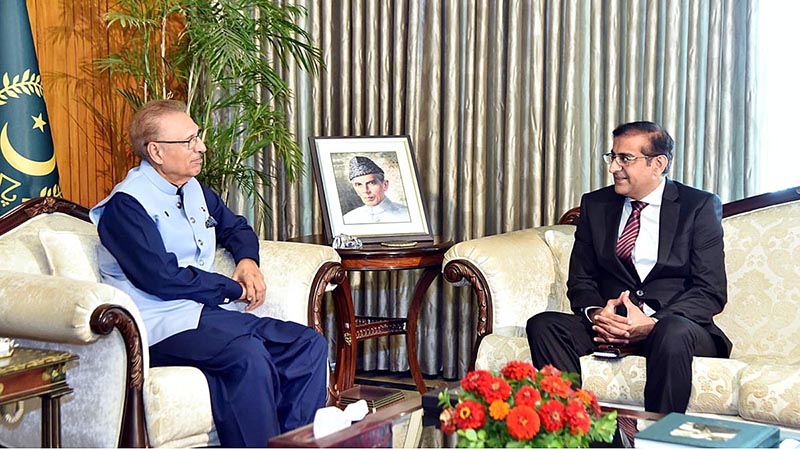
column 550, row 370
column 578, row 419
column 496, row 389
column 517, row 370
column 555, row 386
column 523, row 422
column 552, row 414
column 470, row 415
column 447, row 420
column 474, row 379
column 528, row 396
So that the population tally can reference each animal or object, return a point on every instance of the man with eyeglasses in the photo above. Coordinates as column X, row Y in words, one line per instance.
column 646, row 274
column 159, row 230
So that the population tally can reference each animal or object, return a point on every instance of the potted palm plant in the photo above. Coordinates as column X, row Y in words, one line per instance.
column 223, row 58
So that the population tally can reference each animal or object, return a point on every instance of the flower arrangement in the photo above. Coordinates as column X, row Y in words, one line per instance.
column 525, row 407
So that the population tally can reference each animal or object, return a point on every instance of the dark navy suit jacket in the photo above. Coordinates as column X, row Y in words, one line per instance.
column 689, row 276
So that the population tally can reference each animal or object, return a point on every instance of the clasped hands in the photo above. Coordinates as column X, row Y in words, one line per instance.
column 621, row 330
column 250, row 277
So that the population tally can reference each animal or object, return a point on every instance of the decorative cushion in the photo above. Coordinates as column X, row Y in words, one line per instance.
column 771, row 394
column 71, row 255
column 560, row 239
column 21, row 249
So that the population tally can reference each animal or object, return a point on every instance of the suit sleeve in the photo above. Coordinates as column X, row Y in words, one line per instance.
column 131, row 236
column 582, row 289
column 707, row 292
column 232, row 231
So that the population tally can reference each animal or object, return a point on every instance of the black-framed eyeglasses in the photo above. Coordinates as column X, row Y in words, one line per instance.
column 623, row 159
column 191, row 142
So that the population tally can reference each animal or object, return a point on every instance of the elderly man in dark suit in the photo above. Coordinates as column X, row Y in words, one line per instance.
column 646, row 273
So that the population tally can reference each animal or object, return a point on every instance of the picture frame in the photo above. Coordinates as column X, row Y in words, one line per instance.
column 369, row 188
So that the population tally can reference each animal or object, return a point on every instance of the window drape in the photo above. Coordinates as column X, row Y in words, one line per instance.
column 509, row 105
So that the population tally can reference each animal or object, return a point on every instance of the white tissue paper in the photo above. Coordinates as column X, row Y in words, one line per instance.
column 331, row 419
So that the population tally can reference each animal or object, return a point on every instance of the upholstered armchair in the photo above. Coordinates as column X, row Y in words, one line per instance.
column 51, row 297
column 518, row 274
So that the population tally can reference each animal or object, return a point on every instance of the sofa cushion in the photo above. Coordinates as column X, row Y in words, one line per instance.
column 770, row 393
column 715, row 382
column 715, row 386
column 496, row 350
column 178, row 407
column 71, row 254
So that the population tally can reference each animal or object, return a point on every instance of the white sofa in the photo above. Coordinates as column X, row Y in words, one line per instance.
column 519, row 274
column 50, row 297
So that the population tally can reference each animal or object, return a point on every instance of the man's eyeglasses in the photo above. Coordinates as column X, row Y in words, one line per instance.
column 623, row 159
column 191, row 142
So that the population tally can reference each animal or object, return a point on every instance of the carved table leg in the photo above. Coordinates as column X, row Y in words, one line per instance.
column 346, row 338
column 424, row 282
column 51, row 418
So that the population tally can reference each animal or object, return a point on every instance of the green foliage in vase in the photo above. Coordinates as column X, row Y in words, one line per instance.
column 224, row 59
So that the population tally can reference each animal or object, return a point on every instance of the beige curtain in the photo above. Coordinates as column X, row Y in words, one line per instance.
column 509, row 105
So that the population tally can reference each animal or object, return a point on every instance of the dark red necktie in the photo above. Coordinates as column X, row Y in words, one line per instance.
column 629, row 234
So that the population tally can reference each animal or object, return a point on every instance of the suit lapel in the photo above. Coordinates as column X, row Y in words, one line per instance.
column 668, row 225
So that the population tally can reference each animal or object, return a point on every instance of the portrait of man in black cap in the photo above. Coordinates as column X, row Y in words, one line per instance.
column 369, row 182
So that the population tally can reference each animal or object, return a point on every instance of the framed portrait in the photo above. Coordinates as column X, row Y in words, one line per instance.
column 369, row 188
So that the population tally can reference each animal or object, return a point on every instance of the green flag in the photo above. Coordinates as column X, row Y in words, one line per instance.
column 27, row 161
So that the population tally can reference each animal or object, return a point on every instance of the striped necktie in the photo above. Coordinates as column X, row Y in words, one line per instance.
column 628, row 238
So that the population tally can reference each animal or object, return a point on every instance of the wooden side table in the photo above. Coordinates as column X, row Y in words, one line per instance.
column 376, row 257
column 31, row 373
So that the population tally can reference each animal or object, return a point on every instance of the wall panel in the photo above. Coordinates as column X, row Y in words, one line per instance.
column 69, row 35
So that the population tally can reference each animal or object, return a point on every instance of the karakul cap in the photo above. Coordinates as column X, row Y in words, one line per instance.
column 360, row 166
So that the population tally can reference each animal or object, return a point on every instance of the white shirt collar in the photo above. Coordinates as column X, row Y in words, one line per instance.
column 655, row 197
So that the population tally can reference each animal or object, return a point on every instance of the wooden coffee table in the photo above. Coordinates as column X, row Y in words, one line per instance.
column 375, row 430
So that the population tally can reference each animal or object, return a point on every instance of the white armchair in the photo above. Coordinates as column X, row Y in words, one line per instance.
column 50, row 297
column 518, row 274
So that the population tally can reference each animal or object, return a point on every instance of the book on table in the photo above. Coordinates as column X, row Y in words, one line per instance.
column 376, row 397
column 680, row 430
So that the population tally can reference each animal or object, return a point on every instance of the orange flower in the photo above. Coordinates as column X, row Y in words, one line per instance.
column 528, row 396
column 523, row 423
column 496, row 388
column 470, row 415
column 589, row 399
column 475, row 379
column 499, row 410
column 578, row 419
column 555, row 386
column 517, row 370
column 552, row 414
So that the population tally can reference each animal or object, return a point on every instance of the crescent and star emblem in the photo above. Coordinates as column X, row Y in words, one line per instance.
column 20, row 162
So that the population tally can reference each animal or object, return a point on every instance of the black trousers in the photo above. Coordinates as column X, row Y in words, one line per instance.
column 265, row 376
column 560, row 339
